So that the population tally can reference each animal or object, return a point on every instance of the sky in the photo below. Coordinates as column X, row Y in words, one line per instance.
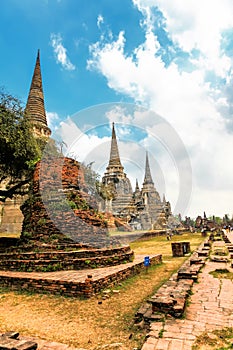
column 161, row 70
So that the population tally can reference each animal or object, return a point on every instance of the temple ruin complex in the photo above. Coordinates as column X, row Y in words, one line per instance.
column 142, row 208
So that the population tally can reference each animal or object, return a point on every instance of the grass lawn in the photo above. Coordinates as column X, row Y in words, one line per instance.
column 86, row 323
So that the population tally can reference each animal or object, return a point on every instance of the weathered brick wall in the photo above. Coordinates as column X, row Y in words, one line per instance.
column 73, row 289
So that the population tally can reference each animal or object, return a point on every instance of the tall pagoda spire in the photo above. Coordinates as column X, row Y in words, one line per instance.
column 117, row 184
column 35, row 108
column 114, row 160
column 148, row 177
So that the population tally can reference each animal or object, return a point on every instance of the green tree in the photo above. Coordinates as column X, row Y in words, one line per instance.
column 19, row 150
column 92, row 179
column 218, row 220
column 95, row 186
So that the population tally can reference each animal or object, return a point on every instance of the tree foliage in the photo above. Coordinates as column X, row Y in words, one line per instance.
column 95, row 187
column 92, row 179
column 19, row 150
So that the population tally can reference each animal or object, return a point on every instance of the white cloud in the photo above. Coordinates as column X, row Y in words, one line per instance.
column 52, row 119
column 195, row 24
column 189, row 103
column 100, row 20
column 83, row 146
column 61, row 52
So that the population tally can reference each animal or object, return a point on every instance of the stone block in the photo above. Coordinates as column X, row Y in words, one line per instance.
column 180, row 248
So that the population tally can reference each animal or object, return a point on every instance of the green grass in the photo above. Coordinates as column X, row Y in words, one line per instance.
column 160, row 244
column 217, row 340
column 222, row 273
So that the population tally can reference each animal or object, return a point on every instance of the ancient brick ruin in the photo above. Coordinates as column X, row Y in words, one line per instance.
column 62, row 229
column 141, row 209
column 171, row 298
column 180, row 248
column 58, row 208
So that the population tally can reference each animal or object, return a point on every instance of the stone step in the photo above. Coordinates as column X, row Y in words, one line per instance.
column 63, row 254
column 9, row 343
column 45, row 265
column 189, row 272
column 171, row 299
column 150, row 316
column 203, row 253
column 73, row 283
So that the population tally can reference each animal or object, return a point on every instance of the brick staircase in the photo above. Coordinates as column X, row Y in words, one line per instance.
column 55, row 260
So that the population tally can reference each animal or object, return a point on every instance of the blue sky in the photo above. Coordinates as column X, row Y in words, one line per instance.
column 100, row 59
column 29, row 25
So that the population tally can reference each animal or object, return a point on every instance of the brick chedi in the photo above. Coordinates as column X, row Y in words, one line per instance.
column 35, row 108
column 59, row 208
column 62, row 229
column 10, row 214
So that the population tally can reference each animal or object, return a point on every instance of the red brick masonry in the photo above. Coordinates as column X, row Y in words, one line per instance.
column 74, row 283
